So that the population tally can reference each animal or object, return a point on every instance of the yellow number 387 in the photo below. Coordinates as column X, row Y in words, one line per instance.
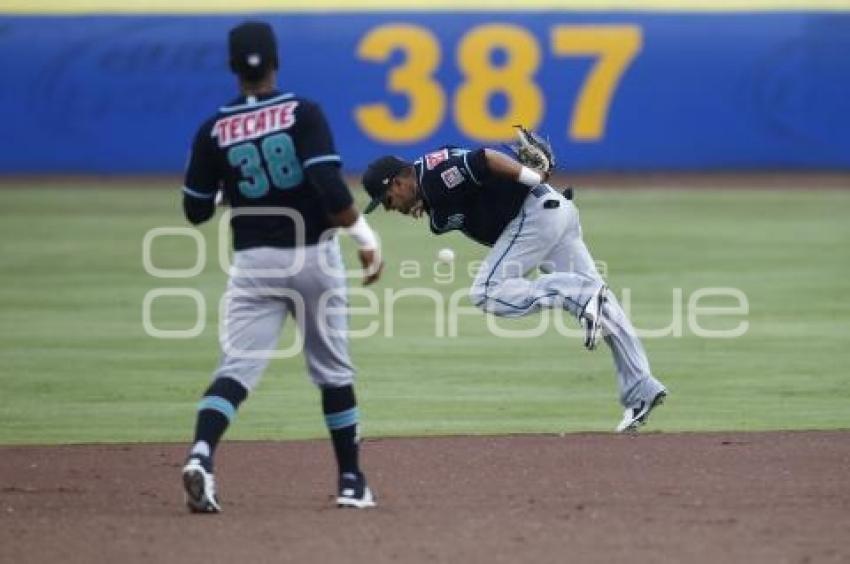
column 614, row 46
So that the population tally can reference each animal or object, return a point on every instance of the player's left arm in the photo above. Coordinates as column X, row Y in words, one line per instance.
column 483, row 164
column 502, row 166
column 322, row 163
column 201, row 181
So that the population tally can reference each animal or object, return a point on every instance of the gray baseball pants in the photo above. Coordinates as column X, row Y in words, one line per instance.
column 266, row 285
column 548, row 236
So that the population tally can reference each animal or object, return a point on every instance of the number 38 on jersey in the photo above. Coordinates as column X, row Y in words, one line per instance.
column 264, row 160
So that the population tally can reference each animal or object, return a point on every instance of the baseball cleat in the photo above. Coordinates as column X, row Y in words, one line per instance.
column 592, row 317
column 353, row 492
column 636, row 416
column 199, row 484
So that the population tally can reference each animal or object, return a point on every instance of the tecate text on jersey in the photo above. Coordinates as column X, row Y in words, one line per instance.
column 251, row 125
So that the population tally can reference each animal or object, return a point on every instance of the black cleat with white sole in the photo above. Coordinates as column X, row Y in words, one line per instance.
column 638, row 414
column 353, row 492
column 199, row 484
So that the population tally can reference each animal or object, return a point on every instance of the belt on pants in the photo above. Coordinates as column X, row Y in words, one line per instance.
column 542, row 190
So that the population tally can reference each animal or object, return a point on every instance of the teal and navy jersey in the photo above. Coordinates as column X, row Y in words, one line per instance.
column 260, row 151
column 460, row 194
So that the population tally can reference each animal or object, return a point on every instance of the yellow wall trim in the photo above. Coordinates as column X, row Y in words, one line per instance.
column 247, row 6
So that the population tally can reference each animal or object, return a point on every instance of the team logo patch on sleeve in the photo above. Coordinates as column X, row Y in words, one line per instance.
column 435, row 158
column 452, row 177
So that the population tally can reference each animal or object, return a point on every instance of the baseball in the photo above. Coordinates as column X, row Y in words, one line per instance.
column 446, row 255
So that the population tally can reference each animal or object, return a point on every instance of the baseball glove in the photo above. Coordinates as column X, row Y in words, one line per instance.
column 533, row 151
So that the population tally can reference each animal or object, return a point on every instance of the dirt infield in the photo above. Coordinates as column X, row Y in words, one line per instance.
column 724, row 497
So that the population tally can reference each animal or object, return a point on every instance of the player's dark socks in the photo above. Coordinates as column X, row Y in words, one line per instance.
column 216, row 410
column 341, row 416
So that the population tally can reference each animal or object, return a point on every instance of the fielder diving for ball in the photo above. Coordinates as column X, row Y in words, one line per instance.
column 502, row 203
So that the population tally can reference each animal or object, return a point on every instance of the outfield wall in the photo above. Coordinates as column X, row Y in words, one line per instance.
column 613, row 90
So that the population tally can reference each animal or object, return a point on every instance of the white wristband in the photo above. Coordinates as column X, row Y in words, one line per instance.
column 530, row 178
column 363, row 234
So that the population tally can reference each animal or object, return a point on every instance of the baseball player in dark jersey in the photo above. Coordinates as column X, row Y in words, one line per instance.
column 498, row 202
column 272, row 155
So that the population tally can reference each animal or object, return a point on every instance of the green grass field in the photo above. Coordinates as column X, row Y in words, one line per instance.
column 77, row 366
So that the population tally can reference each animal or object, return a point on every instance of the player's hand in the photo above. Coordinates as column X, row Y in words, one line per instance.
column 372, row 264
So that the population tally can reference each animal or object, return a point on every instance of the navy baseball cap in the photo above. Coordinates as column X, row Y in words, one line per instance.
column 378, row 177
column 253, row 50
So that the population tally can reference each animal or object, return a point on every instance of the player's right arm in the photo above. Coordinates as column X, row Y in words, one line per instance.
column 327, row 179
column 201, row 181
